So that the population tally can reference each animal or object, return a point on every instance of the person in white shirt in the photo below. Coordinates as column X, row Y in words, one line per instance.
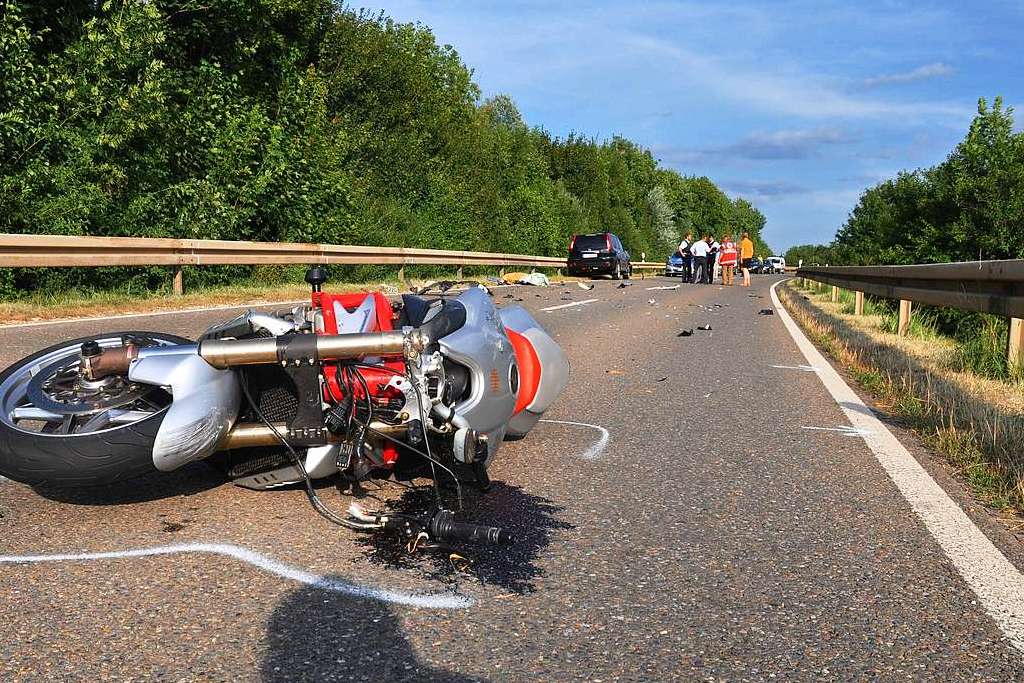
column 713, row 248
column 699, row 250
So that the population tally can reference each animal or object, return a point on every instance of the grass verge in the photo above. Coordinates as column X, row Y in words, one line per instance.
column 976, row 422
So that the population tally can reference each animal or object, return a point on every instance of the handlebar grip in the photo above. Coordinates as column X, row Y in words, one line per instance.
column 444, row 527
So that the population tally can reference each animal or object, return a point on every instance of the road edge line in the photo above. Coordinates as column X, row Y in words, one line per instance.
column 996, row 581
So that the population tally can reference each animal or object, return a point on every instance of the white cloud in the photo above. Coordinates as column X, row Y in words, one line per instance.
column 934, row 70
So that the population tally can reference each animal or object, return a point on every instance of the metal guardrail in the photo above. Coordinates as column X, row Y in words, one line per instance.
column 23, row 251
column 995, row 287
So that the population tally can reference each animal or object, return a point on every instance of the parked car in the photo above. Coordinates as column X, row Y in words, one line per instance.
column 674, row 265
column 756, row 265
column 601, row 253
column 775, row 264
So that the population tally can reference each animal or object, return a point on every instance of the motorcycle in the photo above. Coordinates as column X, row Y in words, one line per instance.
column 350, row 384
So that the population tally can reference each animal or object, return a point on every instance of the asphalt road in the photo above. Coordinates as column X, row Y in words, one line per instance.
column 713, row 538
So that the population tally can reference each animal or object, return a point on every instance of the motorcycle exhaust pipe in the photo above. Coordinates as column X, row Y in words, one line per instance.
column 253, row 435
column 226, row 353
column 296, row 348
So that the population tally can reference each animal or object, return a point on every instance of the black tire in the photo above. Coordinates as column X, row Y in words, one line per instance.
column 629, row 272
column 617, row 273
column 74, row 460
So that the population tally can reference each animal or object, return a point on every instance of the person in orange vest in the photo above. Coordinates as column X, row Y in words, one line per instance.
column 727, row 259
column 746, row 255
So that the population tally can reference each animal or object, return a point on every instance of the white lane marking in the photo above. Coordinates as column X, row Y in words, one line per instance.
column 845, row 431
column 804, row 368
column 64, row 321
column 595, row 450
column 575, row 303
column 228, row 307
column 998, row 584
column 650, row 289
column 264, row 563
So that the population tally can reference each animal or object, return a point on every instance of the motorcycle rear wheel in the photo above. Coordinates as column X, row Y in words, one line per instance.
column 100, row 447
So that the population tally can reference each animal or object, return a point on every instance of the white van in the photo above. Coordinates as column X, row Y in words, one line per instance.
column 777, row 264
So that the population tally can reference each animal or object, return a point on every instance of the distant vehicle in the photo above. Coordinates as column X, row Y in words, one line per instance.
column 777, row 264
column 674, row 265
column 756, row 265
column 601, row 253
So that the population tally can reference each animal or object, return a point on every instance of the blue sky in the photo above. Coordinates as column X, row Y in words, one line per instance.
column 797, row 106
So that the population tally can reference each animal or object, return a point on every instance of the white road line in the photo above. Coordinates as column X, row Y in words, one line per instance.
column 845, row 431
column 264, row 563
column 575, row 303
column 65, row 321
column 595, row 450
column 804, row 368
column 228, row 307
column 994, row 579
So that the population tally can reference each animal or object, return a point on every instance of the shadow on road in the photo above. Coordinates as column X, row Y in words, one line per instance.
column 532, row 519
column 187, row 481
column 314, row 635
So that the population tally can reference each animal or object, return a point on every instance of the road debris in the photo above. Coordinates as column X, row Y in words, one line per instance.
column 706, row 328
column 651, row 301
column 662, row 379
column 685, row 333
column 766, row 311
column 534, row 279
column 623, row 285
column 615, row 372
column 584, row 285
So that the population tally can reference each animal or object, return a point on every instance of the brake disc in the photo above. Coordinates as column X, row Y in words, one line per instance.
column 60, row 388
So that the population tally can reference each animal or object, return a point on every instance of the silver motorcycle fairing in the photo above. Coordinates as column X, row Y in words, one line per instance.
column 204, row 408
column 554, row 368
column 483, row 347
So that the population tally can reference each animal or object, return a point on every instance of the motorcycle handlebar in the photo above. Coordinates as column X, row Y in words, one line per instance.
column 444, row 527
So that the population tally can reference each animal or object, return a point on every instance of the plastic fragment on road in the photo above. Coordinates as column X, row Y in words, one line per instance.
column 623, row 285
column 651, row 301
column 766, row 311
column 685, row 333
column 706, row 328
column 584, row 285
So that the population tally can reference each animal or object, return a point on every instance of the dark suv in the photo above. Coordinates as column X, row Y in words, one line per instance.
column 599, row 254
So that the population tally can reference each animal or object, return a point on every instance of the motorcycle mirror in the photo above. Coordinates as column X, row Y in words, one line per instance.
column 316, row 276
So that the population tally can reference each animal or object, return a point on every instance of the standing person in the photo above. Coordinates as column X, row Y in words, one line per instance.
column 746, row 255
column 727, row 257
column 684, row 251
column 713, row 249
column 699, row 251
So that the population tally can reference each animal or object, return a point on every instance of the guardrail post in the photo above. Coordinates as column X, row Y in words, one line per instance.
column 835, row 294
column 1015, row 347
column 858, row 303
column 904, row 322
column 179, row 281
column 458, row 274
column 401, row 273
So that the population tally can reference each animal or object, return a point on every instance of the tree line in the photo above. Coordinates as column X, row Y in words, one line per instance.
column 969, row 207
column 298, row 120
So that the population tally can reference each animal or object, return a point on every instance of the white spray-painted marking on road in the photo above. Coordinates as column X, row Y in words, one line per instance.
column 595, row 450
column 845, row 431
column 998, row 584
column 264, row 563
column 804, row 368
column 575, row 303
column 650, row 289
